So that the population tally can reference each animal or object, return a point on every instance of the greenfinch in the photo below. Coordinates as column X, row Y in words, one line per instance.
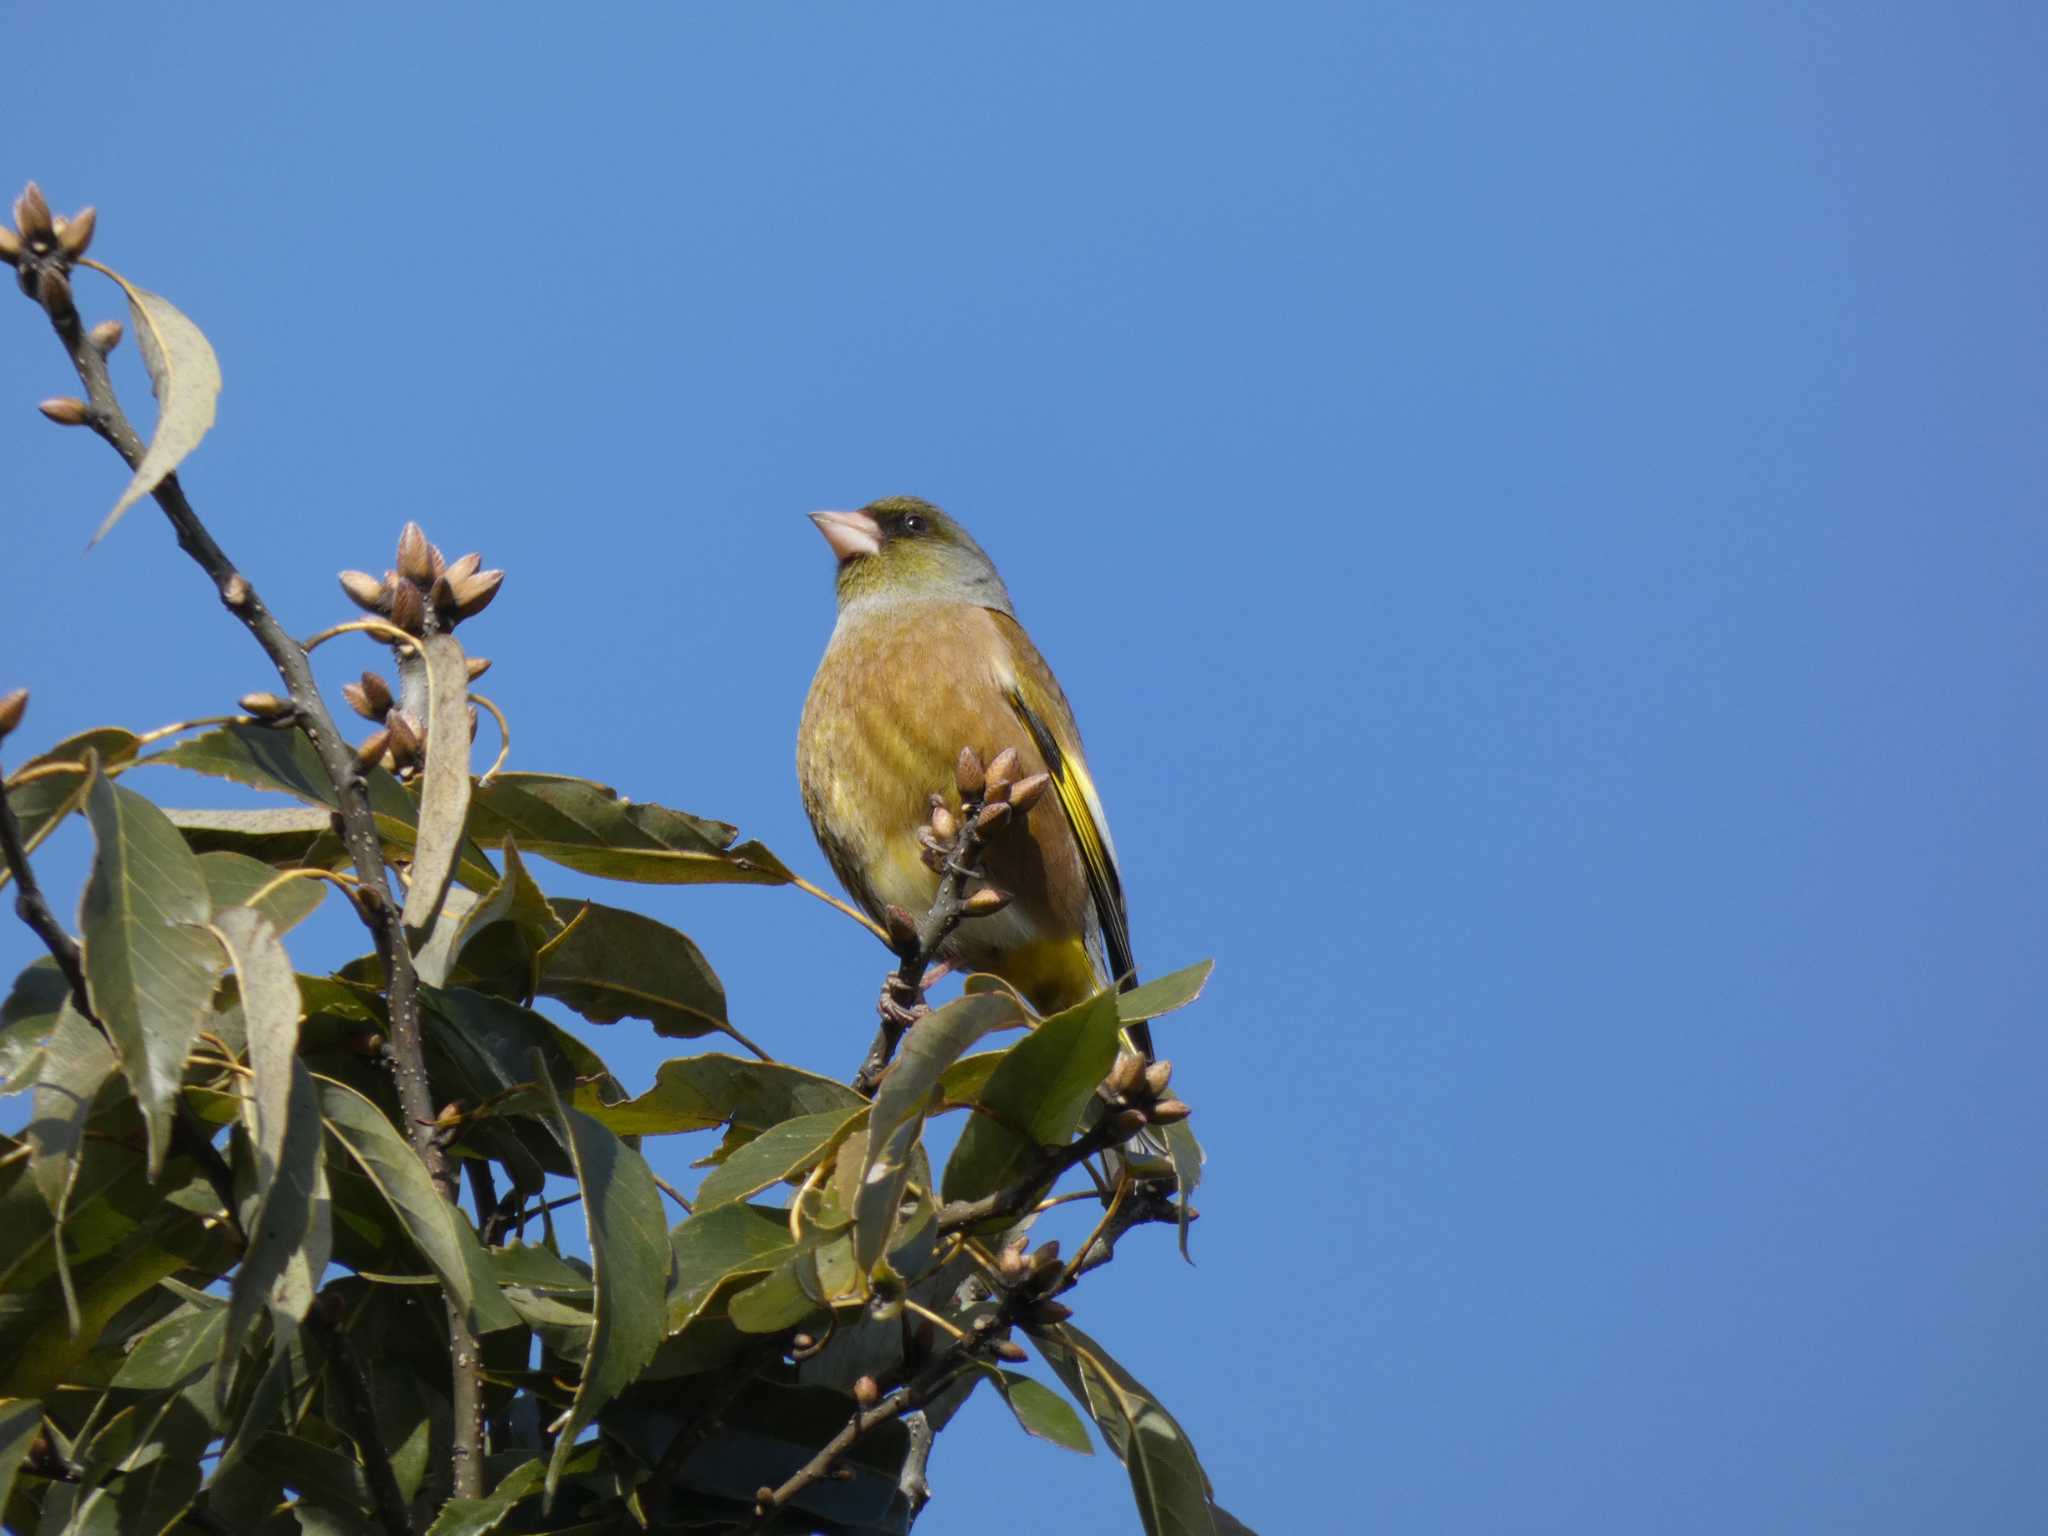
column 927, row 657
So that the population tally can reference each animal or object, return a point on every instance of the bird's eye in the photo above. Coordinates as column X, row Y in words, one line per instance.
column 914, row 524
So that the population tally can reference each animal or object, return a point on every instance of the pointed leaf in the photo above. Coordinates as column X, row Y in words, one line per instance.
column 695, row 1093
column 932, row 1045
column 479, row 1517
column 629, row 1261
column 793, row 1147
column 1034, row 1098
column 1167, row 1480
column 232, row 878
column 586, row 826
column 184, row 375
column 715, row 1246
column 1042, row 1412
column 149, row 960
column 444, row 783
column 42, row 801
column 174, row 1351
column 21, row 1420
column 440, row 1232
column 609, row 964
column 1163, row 994
column 76, row 1063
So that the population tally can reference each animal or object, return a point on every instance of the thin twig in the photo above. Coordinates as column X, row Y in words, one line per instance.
column 1019, row 1195
column 47, row 279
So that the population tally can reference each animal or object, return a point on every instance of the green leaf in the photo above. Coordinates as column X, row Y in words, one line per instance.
column 793, row 1147
column 232, row 878
column 41, row 801
column 142, row 1468
column 534, row 1268
column 1034, row 1098
column 629, row 1260
column 21, row 1420
column 1167, row 1480
column 586, row 826
column 440, row 1232
column 479, row 1517
column 76, row 1063
column 1188, row 1157
column 778, row 1300
column 713, row 1247
column 289, row 1240
column 184, row 375
column 174, row 1352
column 514, row 901
column 149, row 960
column 281, row 837
column 930, row 1046
column 609, row 964
column 444, row 782
column 695, row 1093
column 1042, row 1412
column 1163, row 994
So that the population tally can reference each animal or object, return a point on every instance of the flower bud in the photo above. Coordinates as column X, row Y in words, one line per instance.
column 377, row 693
column 475, row 666
column 968, row 774
column 867, row 1392
column 992, row 818
column 1049, row 1312
column 1010, row 1350
column 461, row 570
column 1129, row 1122
column 32, row 215
column 902, row 930
column 986, row 901
column 473, row 594
column 1026, row 793
column 364, row 590
column 371, row 752
column 408, row 609
column 1125, row 1076
column 945, row 825
column 75, row 234
column 415, row 561
column 1157, row 1076
column 12, row 707
column 1170, row 1111
column 405, row 736
column 66, row 411
column 105, row 336
column 10, row 246
column 265, row 706
column 1000, row 773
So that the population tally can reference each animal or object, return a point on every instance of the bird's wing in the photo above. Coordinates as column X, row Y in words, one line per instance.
column 1045, row 714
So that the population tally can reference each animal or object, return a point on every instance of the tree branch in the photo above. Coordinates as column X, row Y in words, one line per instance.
column 44, row 275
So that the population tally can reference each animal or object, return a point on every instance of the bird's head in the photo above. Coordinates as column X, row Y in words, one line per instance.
column 903, row 550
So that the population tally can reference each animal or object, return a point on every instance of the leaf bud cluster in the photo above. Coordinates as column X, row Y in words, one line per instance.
column 424, row 584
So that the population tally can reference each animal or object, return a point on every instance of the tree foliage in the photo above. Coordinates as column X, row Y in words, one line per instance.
column 384, row 1249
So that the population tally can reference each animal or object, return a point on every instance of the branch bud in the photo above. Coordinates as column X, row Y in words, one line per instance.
column 992, row 818
column 1170, row 1111
column 1048, row 1312
column 266, row 706
column 1125, row 1076
column 236, row 592
column 945, row 825
column 985, row 902
column 1000, row 773
column 105, row 336
column 461, row 570
column 10, row 246
column 1157, row 1076
column 1010, row 1350
column 405, row 737
column 1129, row 1122
column 75, row 234
column 371, row 752
column 476, row 666
column 968, row 774
column 415, row 558
column 1026, row 793
column 377, row 693
column 66, row 411
column 867, row 1392
column 473, row 594
column 408, row 609
column 12, row 707
column 32, row 216
column 364, row 590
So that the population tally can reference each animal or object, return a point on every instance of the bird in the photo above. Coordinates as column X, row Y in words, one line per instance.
column 927, row 655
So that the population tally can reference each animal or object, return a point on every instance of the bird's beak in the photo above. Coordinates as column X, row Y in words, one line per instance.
column 849, row 533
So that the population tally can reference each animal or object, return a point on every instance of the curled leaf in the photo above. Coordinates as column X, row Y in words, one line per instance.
column 184, row 375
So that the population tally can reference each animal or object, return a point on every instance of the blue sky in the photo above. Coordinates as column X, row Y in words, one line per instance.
column 1539, row 513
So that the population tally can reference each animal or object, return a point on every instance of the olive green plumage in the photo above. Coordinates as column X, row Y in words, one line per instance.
column 927, row 657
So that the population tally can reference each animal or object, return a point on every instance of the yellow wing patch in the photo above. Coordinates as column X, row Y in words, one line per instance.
column 1082, row 808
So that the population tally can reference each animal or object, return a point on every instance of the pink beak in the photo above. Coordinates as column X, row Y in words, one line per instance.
column 850, row 534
